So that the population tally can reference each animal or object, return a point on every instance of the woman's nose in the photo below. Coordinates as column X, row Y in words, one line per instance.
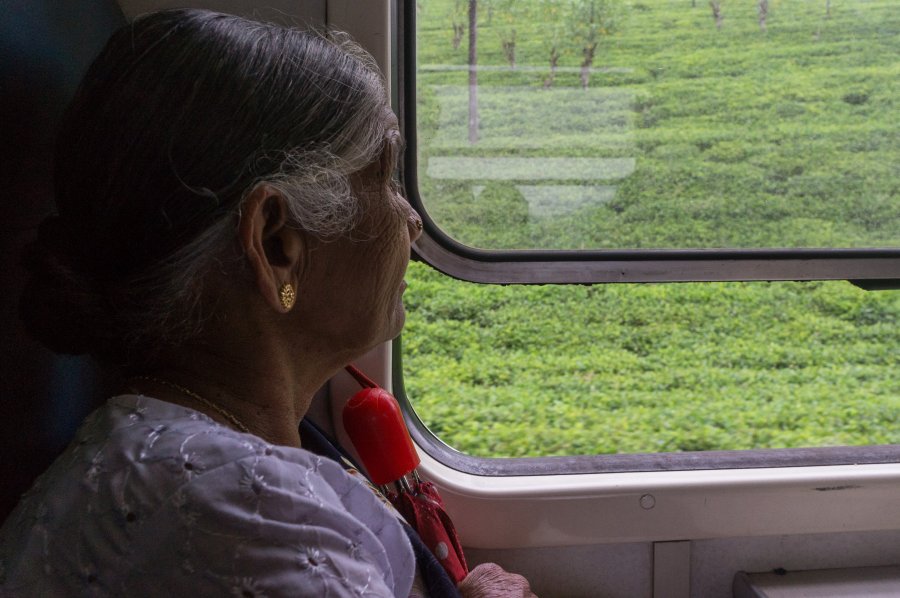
column 414, row 222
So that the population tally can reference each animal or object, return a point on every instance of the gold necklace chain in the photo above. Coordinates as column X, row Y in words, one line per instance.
column 232, row 419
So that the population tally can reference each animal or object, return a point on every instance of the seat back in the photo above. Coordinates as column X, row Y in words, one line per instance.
column 45, row 47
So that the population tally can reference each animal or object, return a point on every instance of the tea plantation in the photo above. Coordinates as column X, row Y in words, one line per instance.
column 696, row 136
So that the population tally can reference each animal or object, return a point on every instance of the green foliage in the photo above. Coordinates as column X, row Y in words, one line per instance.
column 740, row 138
column 548, row 370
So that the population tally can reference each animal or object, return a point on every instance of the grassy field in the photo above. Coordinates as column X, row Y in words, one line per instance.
column 688, row 136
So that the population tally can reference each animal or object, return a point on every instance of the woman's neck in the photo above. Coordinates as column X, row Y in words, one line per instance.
column 265, row 390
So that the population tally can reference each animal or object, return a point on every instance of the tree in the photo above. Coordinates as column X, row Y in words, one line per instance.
column 458, row 21
column 509, row 14
column 763, row 12
column 553, row 16
column 592, row 19
column 716, row 6
column 473, row 71
column 508, row 43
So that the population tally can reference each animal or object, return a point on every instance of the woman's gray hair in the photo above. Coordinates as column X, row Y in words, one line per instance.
column 181, row 116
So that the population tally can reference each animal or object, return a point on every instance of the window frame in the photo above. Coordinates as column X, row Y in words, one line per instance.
column 871, row 268
column 867, row 268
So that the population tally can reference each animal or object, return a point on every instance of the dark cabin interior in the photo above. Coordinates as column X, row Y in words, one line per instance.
column 46, row 47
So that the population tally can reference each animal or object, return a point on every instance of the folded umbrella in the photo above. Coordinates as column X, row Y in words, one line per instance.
column 373, row 420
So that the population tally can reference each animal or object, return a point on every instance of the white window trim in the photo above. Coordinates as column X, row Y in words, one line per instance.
column 562, row 510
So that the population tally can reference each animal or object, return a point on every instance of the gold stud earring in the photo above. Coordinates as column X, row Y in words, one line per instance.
column 287, row 296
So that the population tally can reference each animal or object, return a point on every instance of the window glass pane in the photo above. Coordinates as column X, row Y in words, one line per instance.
column 604, row 124
column 574, row 370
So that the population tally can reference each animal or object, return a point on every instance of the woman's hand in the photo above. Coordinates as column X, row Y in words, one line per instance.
column 489, row 580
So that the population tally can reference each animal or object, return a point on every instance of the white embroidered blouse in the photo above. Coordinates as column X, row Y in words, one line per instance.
column 154, row 499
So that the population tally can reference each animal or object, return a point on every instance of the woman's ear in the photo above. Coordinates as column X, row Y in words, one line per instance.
column 274, row 250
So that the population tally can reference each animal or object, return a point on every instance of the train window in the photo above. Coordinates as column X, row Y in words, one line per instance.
column 718, row 141
column 719, row 145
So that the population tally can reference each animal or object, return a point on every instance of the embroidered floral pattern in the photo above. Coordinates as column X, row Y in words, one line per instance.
column 246, row 587
column 178, row 501
column 253, row 484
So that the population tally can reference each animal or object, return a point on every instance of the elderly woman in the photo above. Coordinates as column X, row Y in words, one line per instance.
column 230, row 236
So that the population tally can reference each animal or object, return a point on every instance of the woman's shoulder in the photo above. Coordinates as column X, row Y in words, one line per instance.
column 136, row 429
column 183, row 496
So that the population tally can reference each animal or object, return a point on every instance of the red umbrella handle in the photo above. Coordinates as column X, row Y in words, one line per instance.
column 375, row 425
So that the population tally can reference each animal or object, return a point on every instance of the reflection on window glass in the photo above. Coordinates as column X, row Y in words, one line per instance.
column 617, row 124
column 577, row 370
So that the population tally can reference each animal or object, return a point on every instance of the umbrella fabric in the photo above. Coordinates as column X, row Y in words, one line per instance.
column 437, row 581
column 424, row 510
